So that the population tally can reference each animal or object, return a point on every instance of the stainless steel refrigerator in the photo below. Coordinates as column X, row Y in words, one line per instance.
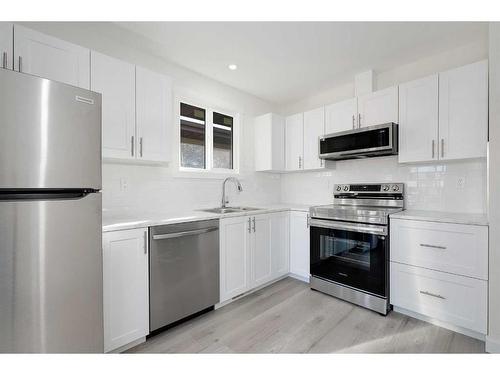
column 50, row 217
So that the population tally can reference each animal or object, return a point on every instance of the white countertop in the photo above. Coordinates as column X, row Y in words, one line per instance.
column 125, row 219
column 442, row 217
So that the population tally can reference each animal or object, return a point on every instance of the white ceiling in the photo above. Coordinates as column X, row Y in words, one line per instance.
column 285, row 61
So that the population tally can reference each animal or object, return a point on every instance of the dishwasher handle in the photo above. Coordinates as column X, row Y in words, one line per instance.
column 184, row 234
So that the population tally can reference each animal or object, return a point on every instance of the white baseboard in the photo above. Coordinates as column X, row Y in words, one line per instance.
column 436, row 322
column 126, row 347
column 299, row 277
column 492, row 345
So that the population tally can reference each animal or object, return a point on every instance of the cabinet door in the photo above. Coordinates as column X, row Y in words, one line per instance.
column 314, row 127
column 234, row 256
column 48, row 57
column 269, row 141
column 299, row 244
column 294, row 142
column 418, row 120
column 6, row 44
column 463, row 112
column 115, row 80
column 341, row 116
column 261, row 250
column 378, row 107
column 125, row 282
column 154, row 114
column 280, row 244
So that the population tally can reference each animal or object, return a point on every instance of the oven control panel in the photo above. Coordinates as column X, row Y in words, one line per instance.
column 383, row 188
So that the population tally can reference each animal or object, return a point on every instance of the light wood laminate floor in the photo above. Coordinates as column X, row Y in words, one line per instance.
column 288, row 317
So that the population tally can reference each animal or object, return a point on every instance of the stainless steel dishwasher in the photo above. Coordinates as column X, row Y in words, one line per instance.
column 183, row 271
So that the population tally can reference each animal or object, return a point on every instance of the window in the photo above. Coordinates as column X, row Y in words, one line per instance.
column 192, row 136
column 223, row 141
column 207, row 139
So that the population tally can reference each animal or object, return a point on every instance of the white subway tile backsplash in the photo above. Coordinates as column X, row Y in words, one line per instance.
column 432, row 186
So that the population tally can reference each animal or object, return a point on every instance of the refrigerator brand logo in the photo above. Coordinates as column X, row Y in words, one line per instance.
column 84, row 100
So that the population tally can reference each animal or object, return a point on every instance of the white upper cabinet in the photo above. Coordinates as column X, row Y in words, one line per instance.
column 463, row 112
column 314, row 127
column 48, row 57
column 6, row 44
column 154, row 114
column 418, row 120
column 115, row 80
column 341, row 116
column 378, row 107
column 294, row 136
column 269, row 141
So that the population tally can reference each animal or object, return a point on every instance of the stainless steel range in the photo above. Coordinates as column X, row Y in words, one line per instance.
column 350, row 243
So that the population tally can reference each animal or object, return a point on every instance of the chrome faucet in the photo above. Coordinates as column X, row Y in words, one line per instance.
column 238, row 185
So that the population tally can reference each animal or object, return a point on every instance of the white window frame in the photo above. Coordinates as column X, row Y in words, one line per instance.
column 209, row 171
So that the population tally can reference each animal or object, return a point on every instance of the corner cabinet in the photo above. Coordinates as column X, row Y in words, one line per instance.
column 137, row 109
column 126, row 287
column 253, row 252
column 445, row 116
column 6, row 45
column 48, row 57
column 269, row 142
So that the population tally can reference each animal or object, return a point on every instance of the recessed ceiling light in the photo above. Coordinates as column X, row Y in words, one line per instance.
column 232, row 66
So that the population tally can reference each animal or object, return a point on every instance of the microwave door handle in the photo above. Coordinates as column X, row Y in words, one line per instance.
column 352, row 227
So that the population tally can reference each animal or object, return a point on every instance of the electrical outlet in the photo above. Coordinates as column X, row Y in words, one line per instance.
column 123, row 184
column 461, row 182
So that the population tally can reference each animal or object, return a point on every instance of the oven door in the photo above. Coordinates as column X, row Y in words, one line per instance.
column 351, row 254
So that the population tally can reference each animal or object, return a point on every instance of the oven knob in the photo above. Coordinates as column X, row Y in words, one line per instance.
column 385, row 188
column 395, row 188
column 346, row 188
column 339, row 188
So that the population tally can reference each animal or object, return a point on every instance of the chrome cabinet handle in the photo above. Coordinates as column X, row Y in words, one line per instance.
column 132, row 145
column 145, row 242
column 433, row 246
column 308, row 220
column 442, row 147
column 253, row 224
column 432, row 294
column 249, row 226
column 353, row 122
column 359, row 120
column 300, row 162
column 184, row 234
column 20, row 64
column 433, row 148
column 4, row 60
column 140, row 147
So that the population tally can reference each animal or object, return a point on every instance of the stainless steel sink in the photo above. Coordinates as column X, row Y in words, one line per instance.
column 227, row 210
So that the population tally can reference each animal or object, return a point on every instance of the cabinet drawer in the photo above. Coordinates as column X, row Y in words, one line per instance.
column 458, row 300
column 454, row 248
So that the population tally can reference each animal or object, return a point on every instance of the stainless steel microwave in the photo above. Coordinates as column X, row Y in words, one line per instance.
column 377, row 140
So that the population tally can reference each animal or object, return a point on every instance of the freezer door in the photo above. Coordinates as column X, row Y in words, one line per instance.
column 51, row 134
column 51, row 276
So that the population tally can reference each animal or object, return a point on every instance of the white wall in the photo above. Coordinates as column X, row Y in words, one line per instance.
column 430, row 186
column 154, row 188
column 493, row 340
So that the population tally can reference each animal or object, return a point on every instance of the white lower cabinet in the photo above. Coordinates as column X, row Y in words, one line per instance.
column 440, row 271
column 125, row 283
column 253, row 252
column 457, row 300
column 299, row 244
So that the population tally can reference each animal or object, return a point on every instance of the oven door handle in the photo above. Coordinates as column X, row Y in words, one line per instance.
column 352, row 227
